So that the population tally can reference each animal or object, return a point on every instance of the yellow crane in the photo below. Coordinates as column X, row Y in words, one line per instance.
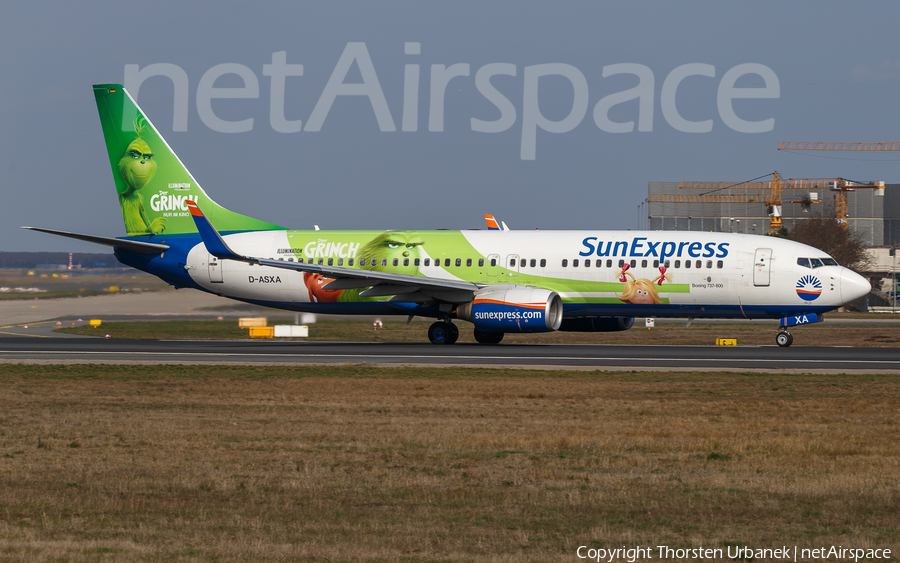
column 767, row 192
column 840, row 185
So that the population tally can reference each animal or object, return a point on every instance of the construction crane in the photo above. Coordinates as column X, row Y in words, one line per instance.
column 768, row 192
column 832, row 146
column 840, row 185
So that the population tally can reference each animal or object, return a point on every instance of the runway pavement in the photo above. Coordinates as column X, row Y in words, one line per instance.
column 769, row 358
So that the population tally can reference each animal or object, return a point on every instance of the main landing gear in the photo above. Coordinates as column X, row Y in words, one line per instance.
column 784, row 338
column 445, row 332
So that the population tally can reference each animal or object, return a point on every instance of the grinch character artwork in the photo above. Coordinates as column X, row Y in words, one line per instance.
column 136, row 168
column 391, row 251
column 641, row 291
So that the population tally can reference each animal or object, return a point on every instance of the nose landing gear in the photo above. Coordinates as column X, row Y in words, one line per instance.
column 784, row 338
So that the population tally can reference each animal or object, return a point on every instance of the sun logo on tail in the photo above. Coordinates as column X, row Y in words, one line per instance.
column 809, row 288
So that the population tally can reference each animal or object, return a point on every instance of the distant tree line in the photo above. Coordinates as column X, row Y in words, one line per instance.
column 32, row 259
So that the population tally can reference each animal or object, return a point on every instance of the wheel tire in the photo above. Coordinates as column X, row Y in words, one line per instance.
column 784, row 339
column 483, row 337
column 438, row 333
column 453, row 333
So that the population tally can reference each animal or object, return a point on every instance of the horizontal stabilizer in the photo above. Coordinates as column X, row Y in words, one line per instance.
column 132, row 245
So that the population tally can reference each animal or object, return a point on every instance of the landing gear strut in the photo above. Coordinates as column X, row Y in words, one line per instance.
column 443, row 333
column 784, row 338
column 483, row 337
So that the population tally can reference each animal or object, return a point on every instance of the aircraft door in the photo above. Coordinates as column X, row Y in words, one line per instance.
column 512, row 265
column 215, row 269
column 761, row 267
column 493, row 265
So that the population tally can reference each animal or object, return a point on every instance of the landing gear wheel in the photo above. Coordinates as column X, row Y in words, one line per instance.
column 443, row 333
column 483, row 337
column 784, row 339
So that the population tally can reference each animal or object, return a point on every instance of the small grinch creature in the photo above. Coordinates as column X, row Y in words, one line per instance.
column 137, row 167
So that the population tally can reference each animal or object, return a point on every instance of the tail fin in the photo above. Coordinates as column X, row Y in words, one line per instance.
column 152, row 183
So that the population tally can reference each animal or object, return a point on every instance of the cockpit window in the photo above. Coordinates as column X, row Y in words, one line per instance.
column 816, row 262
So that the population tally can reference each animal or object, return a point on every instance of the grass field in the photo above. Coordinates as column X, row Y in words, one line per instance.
column 396, row 330
column 359, row 463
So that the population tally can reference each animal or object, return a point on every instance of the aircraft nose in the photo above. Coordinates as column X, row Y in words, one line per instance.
column 853, row 286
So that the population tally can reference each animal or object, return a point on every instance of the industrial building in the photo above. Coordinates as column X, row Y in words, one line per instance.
column 873, row 215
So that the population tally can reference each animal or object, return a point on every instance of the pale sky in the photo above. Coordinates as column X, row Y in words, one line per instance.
column 836, row 66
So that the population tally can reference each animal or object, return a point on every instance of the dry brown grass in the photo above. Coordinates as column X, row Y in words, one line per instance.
column 357, row 463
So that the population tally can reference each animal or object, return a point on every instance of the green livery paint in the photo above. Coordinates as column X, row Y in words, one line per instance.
column 397, row 252
column 151, row 182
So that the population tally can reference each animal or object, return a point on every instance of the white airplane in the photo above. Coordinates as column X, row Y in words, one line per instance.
column 499, row 280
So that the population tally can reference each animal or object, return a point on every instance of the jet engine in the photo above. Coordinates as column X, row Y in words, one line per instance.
column 513, row 308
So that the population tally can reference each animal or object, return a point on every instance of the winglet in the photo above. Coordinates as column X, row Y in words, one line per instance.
column 211, row 237
column 491, row 222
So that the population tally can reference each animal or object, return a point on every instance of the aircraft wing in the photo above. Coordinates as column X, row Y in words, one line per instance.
column 404, row 286
column 132, row 245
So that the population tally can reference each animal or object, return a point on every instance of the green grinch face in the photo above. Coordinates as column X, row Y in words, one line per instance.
column 391, row 245
column 137, row 165
column 402, row 244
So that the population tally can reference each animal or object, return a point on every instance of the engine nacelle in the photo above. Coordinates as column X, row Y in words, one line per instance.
column 513, row 308
column 597, row 324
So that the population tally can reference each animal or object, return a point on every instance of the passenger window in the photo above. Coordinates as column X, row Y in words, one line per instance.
column 643, row 263
column 290, row 259
column 599, row 263
column 656, row 263
column 621, row 263
column 416, row 262
column 522, row 263
column 395, row 262
column 565, row 263
column 468, row 262
column 698, row 264
column 374, row 261
column 384, row 261
column 406, row 261
column 428, row 261
column 633, row 263
column 720, row 264
column 709, row 263
column 533, row 262
column 668, row 262
column 512, row 263
column 350, row 262
column 340, row 261
column 609, row 263
column 687, row 263
column 458, row 262
column 446, row 262
column 575, row 262
column 480, row 262
column 543, row 262
column 298, row 260
column 803, row 262
column 587, row 263
column 331, row 261
column 678, row 263
column 493, row 262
